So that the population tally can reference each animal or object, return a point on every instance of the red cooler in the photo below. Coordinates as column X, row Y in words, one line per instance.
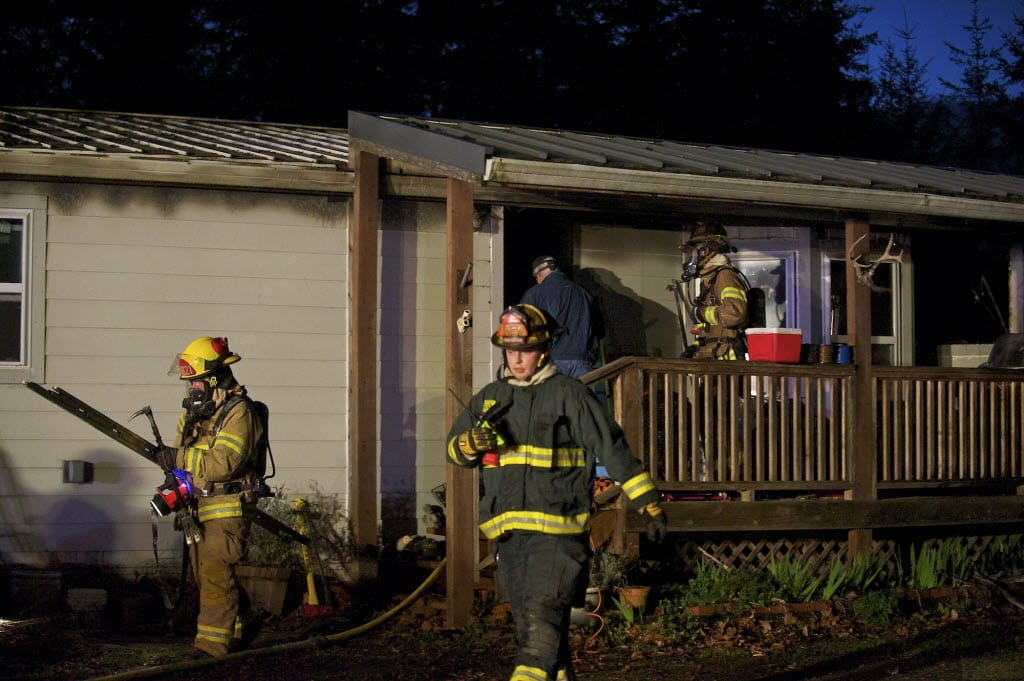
column 774, row 345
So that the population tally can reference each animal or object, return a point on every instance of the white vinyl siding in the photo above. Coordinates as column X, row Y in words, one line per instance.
column 134, row 274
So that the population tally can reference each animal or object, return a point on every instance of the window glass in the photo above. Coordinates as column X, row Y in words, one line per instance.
column 12, row 290
column 882, row 317
column 12, row 248
column 770, row 278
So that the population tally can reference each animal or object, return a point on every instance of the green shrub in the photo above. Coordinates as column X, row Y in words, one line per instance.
column 875, row 607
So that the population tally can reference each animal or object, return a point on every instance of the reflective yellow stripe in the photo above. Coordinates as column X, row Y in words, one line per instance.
column 711, row 315
column 638, row 485
column 533, row 521
column 232, row 442
column 215, row 634
column 452, row 451
column 222, row 509
column 563, row 675
column 524, row 673
column 733, row 292
column 544, row 457
column 193, row 457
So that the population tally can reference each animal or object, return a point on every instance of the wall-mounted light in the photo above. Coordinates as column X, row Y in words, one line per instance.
column 78, row 471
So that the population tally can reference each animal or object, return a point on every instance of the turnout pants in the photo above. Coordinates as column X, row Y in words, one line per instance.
column 542, row 576
column 214, row 560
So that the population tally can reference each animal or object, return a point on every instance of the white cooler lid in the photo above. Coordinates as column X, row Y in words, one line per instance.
column 758, row 330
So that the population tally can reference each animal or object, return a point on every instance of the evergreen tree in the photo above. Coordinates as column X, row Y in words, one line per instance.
column 978, row 96
column 1012, row 67
column 911, row 121
column 776, row 73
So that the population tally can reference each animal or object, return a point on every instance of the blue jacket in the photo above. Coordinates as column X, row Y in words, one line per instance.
column 572, row 307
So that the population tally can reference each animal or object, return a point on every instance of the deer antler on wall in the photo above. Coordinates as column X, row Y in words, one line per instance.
column 864, row 269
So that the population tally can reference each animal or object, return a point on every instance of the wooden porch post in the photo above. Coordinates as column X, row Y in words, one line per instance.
column 1016, row 289
column 462, row 534
column 630, row 416
column 863, row 472
column 362, row 366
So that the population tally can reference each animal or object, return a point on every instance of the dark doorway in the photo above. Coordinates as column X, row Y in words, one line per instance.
column 530, row 232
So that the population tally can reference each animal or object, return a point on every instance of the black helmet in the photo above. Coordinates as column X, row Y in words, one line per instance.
column 706, row 239
column 709, row 231
column 523, row 327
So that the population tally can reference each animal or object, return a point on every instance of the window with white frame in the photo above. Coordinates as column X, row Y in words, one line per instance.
column 891, row 309
column 774, row 274
column 22, row 241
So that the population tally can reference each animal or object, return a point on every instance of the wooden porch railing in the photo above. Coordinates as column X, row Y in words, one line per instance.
column 753, row 426
column 949, row 426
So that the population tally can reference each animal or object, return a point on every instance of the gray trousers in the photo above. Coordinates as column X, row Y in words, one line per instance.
column 542, row 576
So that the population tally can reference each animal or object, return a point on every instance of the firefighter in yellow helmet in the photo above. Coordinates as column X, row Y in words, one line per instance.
column 216, row 444
column 719, row 311
column 536, row 434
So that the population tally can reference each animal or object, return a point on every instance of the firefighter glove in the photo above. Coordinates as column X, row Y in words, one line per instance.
column 476, row 440
column 656, row 523
column 166, row 457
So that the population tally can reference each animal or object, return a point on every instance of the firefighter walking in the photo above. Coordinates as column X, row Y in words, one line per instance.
column 536, row 434
column 720, row 310
column 216, row 444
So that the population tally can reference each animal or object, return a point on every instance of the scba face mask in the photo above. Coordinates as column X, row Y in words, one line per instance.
column 199, row 402
column 693, row 255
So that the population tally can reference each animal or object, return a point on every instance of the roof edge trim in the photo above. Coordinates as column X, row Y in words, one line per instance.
column 578, row 177
column 405, row 141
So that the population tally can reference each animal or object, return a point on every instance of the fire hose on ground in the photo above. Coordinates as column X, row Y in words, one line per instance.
column 318, row 641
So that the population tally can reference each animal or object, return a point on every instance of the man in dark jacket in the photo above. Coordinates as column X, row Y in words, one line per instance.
column 574, row 348
column 536, row 433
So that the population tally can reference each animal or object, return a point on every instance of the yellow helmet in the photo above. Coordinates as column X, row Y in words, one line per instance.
column 523, row 327
column 202, row 357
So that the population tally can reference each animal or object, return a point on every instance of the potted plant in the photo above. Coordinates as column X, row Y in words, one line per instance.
column 609, row 572
column 274, row 568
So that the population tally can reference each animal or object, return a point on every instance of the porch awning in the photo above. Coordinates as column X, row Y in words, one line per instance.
column 534, row 159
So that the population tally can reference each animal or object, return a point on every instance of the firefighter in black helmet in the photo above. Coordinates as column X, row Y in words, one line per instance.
column 535, row 433
column 216, row 444
column 720, row 310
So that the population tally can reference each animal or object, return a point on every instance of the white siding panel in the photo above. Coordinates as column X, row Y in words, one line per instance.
column 209, row 206
column 225, row 236
column 102, row 370
column 204, row 315
column 165, row 288
column 237, row 262
column 636, row 265
column 134, row 274
column 164, row 345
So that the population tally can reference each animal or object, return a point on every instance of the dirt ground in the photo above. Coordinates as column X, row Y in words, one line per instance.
column 980, row 638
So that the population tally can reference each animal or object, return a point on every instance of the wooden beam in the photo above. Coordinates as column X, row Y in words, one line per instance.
column 863, row 472
column 462, row 534
column 1016, row 323
column 835, row 514
column 362, row 365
